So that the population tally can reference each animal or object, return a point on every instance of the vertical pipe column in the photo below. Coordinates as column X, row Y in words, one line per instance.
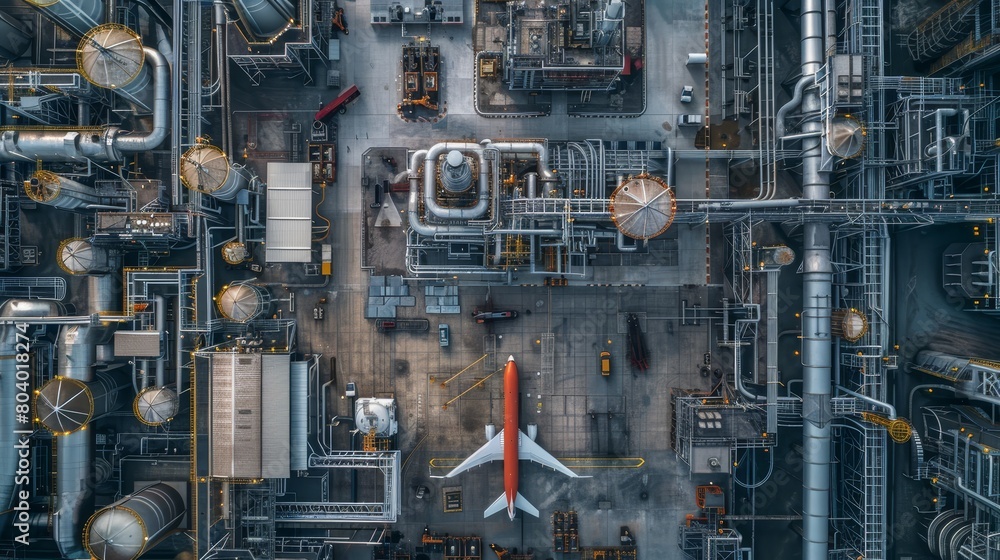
column 816, row 290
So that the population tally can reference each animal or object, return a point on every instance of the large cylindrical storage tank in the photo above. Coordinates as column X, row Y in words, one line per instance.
column 111, row 56
column 155, row 405
column 65, row 405
column 206, row 169
column 79, row 256
column 642, row 207
column 48, row 188
column 265, row 19
column 104, row 294
column 298, row 381
column 15, row 38
column 848, row 324
column 76, row 16
column 135, row 524
column 244, row 302
column 9, row 390
column 456, row 173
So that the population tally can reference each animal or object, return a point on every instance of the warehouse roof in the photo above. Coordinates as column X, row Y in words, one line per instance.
column 289, row 213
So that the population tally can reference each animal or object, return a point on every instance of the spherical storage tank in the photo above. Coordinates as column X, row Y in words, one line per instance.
column 243, row 302
column 155, row 405
column 206, row 169
column 643, row 207
column 130, row 527
column 79, row 256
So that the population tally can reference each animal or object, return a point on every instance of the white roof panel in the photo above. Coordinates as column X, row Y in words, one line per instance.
column 289, row 213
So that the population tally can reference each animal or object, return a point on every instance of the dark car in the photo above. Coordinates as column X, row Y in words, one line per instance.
column 487, row 316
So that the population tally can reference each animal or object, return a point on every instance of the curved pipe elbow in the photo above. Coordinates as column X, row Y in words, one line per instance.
column 161, row 108
column 779, row 118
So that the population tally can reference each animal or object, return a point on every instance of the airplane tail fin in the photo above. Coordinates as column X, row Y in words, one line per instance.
column 500, row 504
column 525, row 506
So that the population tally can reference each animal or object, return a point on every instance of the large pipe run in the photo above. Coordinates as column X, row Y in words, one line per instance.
column 105, row 146
column 76, row 16
column 77, row 349
column 12, row 308
column 265, row 19
column 160, row 309
column 430, row 182
column 817, row 301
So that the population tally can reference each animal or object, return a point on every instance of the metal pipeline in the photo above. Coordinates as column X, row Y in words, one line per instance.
column 939, row 135
column 76, row 16
column 161, row 108
column 817, row 282
column 779, row 117
column 13, row 310
column 77, row 347
column 413, row 207
column 103, row 146
column 160, row 309
column 178, row 350
column 531, row 181
column 889, row 409
column 527, row 147
column 430, row 180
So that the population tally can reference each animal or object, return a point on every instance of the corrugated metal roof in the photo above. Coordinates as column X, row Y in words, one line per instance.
column 289, row 213
column 276, row 416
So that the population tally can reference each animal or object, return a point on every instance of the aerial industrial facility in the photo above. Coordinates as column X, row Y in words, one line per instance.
column 315, row 279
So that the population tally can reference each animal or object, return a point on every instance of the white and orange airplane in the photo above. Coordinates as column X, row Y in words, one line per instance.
column 511, row 445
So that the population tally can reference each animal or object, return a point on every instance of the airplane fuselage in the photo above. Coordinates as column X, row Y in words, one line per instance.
column 511, row 431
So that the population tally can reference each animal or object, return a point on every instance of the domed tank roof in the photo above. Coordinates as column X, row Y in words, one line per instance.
column 155, row 405
column 379, row 414
column 64, row 405
column 204, row 168
column 242, row 302
column 642, row 207
column 116, row 534
column 846, row 137
column 79, row 256
column 849, row 324
column 110, row 55
column 456, row 173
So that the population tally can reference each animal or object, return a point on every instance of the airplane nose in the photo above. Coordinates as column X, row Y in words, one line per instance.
column 510, row 358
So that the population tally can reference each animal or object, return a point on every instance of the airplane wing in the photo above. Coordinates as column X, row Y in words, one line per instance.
column 492, row 451
column 531, row 451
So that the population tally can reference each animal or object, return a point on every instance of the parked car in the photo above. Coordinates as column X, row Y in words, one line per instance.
column 690, row 120
column 487, row 316
column 605, row 363
column 687, row 94
column 444, row 334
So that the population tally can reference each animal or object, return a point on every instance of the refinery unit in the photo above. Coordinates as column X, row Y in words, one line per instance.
column 319, row 279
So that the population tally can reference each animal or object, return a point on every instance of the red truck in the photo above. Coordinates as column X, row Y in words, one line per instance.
column 339, row 104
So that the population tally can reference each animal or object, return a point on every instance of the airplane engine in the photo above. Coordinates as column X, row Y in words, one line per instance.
column 532, row 431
